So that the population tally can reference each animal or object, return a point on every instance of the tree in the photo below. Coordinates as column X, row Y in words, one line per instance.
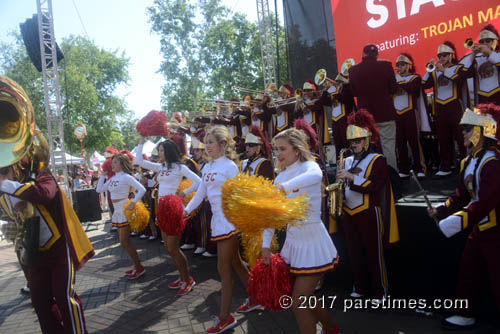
column 88, row 77
column 206, row 52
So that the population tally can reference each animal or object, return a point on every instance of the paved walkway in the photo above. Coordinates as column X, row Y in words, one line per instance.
column 114, row 304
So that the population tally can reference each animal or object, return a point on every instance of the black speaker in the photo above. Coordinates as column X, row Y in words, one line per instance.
column 29, row 31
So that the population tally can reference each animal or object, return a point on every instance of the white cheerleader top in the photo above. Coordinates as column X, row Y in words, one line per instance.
column 168, row 178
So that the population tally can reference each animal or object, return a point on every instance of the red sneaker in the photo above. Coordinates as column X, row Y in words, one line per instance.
column 130, row 271
column 136, row 273
column 175, row 284
column 186, row 286
column 248, row 306
column 222, row 325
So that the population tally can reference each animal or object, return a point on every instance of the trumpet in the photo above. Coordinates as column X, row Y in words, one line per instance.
column 336, row 190
column 431, row 66
column 469, row 43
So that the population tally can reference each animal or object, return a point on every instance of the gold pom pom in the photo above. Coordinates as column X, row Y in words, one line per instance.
column 183, row 185
column 252, row 204
column 252, row 246
column 138, row 217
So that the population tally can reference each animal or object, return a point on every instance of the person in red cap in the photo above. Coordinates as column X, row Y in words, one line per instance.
column 369, row 218
column 258, row 153
column 450, row 97
column 373, row 83
column 476, row 204
column 411, row 116
column 484, row 63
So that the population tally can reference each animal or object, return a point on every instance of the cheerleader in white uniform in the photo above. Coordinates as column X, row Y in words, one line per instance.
column 219, row 146
column 119, row 186
column 308, row 248
column 170, row 171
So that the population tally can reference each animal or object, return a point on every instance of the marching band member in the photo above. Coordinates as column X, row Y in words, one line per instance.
column 484, row 62
column 233, row 124
column 37, row 202
column 339, row 97
column 450, row 95
column 258, row 153
column 308, row 248
column 476, row 205
column 312, row 111
column 367, row 192
column 220, row 149
column 171, row 170
column 119, row 187
column 284, row 114
column 411, row 115
column 204, row 245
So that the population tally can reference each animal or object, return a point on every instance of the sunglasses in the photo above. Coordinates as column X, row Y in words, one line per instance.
column 251, row 144
column 485, row 40
column 441, row 55
column 356, row 141
column 401, row 63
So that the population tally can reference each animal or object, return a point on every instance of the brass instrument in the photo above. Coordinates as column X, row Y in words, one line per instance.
column 320, row 77
column 336, row 190
column 469, row 43
column 346, row 65
column 431, row 66
column 20, row 138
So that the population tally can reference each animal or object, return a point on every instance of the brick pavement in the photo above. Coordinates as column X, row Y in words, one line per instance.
column 114, row 304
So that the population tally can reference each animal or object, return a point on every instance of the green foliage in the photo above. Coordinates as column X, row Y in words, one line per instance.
column 88, row 77
column 206, row 51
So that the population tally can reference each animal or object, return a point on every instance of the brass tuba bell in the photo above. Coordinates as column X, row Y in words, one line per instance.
column 17, row 122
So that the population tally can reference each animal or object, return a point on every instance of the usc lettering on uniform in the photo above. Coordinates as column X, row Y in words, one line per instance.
column 209, row 177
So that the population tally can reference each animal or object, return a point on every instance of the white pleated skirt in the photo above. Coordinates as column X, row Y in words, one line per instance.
column 309, row 249
column 119, row 219
column 221, row 228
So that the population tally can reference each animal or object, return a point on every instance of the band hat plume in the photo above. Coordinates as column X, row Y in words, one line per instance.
column 486, row 121
column 485, row 33
column 196, row 144
column 403, row 58
column 252, row 139
column 355, row 132
column 443, row 48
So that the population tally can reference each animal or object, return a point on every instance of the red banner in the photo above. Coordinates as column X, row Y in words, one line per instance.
column 413, row 26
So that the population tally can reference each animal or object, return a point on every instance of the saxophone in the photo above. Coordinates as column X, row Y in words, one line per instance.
column 336, row 190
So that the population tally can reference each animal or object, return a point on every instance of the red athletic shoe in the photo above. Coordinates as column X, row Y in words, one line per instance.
column 136, row 273
column 175, row 284
column 130, row 271
column 186, row 286
column 222, row 325
column 248, row 306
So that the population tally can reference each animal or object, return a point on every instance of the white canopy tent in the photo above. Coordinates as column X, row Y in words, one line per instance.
column 97, row 158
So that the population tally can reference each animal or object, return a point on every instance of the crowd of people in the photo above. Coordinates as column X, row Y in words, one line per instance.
column 375, row 114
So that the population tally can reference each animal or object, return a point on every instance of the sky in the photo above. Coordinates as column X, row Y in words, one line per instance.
column 114, row 25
